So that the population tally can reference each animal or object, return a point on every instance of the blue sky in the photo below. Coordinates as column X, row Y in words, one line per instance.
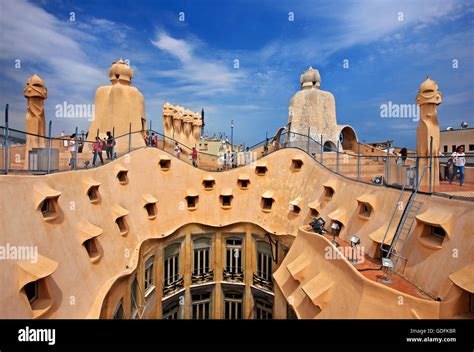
column 191, row 62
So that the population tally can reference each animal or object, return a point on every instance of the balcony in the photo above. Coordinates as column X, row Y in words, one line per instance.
column 233, row 275
column 202, row 278
column 264, row 284
column 176, row 283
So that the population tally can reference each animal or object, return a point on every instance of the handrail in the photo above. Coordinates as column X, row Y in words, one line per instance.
column 287, row 139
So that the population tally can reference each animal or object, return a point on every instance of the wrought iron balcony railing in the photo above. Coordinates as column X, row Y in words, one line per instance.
column 233, row 276
column 202, row 278
column 173, row 285
column 262, row 283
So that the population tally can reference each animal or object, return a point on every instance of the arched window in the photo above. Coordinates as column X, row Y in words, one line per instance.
column 201, row 258
column 264, row 260
column 171, row 264
column 233, row 305
column 263, row 308
column 233, row 264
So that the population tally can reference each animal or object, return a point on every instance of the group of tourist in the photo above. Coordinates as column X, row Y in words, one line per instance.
column 233, row 159
column 194, row 154
column 99, row 145
column 455, row 165
column 151, row 141
column 108, row 143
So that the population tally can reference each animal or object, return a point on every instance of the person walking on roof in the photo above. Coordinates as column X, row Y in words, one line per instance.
column 459, row 159
column 194, row 156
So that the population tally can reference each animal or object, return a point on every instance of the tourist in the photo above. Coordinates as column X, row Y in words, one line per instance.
column 154, row 139
column 110, row 143
column 226, row 160
column 72, row 151
column 247, row 155
column 402, row 156
column 194, row 156
column 459, row 160
column 147, row 138
column 177, row 150
column 265, row 147
column 97, row 150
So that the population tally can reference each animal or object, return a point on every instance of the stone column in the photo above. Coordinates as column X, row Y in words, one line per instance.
column 428, row 98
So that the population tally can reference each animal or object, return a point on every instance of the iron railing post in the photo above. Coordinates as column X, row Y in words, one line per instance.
column 307, row 144
column 337, row 157
column 321, row 149
column 129, row 137
column 387, row 164
column 7, row 135
column 358, row 161
column 75, row 149
column 49, row 146
column 417, row 166
column 431, row 163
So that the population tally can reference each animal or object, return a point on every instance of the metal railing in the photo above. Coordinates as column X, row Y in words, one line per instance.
column 22, row 152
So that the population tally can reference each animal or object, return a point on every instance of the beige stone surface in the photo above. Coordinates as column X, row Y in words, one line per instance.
column 35, row 92
column 314, row 110
column 77, row 218
column 428, row 98
column 182, row 125
column 119, row 105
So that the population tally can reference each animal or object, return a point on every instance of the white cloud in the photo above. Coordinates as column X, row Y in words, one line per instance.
column 34, row 36
column 360, row 22
column 195, row 73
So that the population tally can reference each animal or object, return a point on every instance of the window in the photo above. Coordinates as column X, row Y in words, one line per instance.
column 171, row 310
column 233, row 256
column 201, row 306
column 243, row 184
column 453, row 148
column 165, row 164
column 296, row 164
column 93, row 194
column 122, row 225
column 149, row 275
column 31, row 291
column 263, row 309
column 202, row 249
column 328, row 192
column 134, row 298
column 208, row 184
column 191, row 202
column 365, row 210
column 92, row 248
column 119, row 314
column 264, row 261
column 438, row 232
column 295, row 209
column 171, row 264
column 267, row 203
column 314, row 213
column 471, row 147
column 49, row 208
column 260, row 170
column 122, row 177
column 151, row 210
column 233, row 302
column 226, row 201
column 445, row 148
